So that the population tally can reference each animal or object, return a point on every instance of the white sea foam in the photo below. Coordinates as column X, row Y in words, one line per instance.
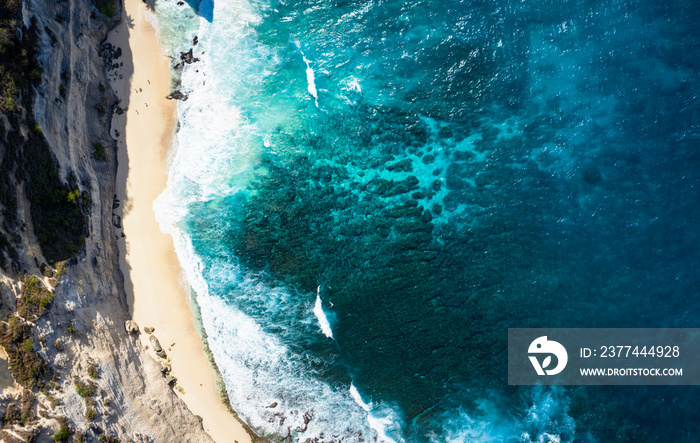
column 321, row 316
column 382, row 419
column 358, row 398
column 354, row 85
column 545, row 421
column 310, row 79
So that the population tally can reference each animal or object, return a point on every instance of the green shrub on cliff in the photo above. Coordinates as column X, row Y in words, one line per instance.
column 62, row 434
column 108, row 9
column 8, row 90
column 34, row 299
column 85, row 390
column 74, row 197
column 93, row 371
column 99, row 152
column 90, row 414
column 35, row 75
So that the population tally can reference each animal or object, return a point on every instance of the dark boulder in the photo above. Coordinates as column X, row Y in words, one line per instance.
column 188, row 57
column 177, row 95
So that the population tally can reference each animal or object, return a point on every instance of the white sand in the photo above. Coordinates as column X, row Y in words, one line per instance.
column 151, row 268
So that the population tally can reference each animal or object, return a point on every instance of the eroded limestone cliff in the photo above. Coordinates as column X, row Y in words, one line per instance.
column 78, row 374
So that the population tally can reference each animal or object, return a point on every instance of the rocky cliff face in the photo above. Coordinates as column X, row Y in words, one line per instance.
column 92, row 380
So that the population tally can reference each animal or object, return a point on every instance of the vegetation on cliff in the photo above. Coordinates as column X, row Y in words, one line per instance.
column 16, row 336
column 34, row 299
column 27, row 367
column 59, row 216
column 108, row 8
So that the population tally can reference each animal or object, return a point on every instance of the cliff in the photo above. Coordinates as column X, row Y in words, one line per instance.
column 77, row 371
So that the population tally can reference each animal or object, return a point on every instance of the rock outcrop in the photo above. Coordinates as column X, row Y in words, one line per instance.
column 177, row 95
column 131, row 327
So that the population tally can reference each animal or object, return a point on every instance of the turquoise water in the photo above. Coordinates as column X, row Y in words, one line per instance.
column 366, row 195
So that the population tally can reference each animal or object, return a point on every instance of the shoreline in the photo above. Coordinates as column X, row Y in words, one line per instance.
column 148, row 261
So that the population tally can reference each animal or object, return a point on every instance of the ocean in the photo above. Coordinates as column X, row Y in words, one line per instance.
column 365, row 196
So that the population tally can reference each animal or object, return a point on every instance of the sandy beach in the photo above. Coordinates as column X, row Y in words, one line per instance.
column 149, row 263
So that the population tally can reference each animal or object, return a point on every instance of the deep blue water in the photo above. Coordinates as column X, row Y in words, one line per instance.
column 433, row 173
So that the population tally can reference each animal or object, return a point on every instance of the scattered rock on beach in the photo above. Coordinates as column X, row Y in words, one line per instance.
column 131, row 327
column 156, row 347
column 148, row 330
